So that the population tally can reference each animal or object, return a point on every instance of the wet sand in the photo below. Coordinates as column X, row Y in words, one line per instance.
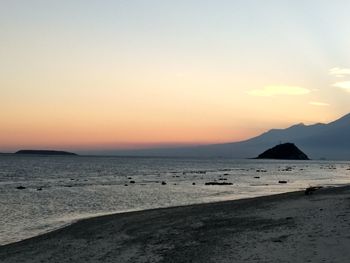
column 288, row 227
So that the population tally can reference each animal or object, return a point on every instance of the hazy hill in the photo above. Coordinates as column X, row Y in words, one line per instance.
column 330, row 141
column 43, row 152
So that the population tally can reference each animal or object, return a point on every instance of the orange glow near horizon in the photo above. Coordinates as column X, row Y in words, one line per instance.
column 91, row 127
column 105, row 111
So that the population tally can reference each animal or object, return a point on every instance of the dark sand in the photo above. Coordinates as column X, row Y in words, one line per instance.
column 281, row 228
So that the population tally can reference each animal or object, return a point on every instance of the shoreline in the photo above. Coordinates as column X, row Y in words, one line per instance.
column 232, row 231
column 97, row 215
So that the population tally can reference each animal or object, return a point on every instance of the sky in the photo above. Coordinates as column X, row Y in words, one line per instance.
column 87, row 75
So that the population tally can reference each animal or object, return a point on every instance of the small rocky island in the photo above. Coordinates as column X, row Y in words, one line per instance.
column 44, row 152
column 285, row 151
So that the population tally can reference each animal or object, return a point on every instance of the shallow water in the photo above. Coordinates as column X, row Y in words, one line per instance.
column 79, row 187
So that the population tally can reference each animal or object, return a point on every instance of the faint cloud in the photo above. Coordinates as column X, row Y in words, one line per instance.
column 317, row 103
column 275, row 90
column 345, row 85
column 339, row 72
column 180, row 75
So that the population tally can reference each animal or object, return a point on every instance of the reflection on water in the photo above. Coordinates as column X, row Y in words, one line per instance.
column 59, row 190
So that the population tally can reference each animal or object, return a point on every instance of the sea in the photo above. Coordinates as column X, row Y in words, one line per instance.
column 42, row 193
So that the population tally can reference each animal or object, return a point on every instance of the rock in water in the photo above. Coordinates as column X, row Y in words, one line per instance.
column 282, row 182
column 286, row 151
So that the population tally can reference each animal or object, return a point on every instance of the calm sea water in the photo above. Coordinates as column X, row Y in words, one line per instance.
column 59, row 190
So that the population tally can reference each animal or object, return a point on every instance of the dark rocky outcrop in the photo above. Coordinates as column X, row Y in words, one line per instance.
column 44, row 152
column 285, row 151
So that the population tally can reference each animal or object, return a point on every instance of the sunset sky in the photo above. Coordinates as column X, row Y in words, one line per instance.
column 85, row 75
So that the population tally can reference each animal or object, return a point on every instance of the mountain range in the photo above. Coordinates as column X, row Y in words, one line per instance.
column 318, row 141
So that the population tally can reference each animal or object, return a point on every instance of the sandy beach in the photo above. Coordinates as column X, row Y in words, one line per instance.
column 291, row 227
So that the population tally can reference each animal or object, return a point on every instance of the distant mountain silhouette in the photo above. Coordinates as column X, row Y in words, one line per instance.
column 330, row 141
column 285, row 151
column 44, row 152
